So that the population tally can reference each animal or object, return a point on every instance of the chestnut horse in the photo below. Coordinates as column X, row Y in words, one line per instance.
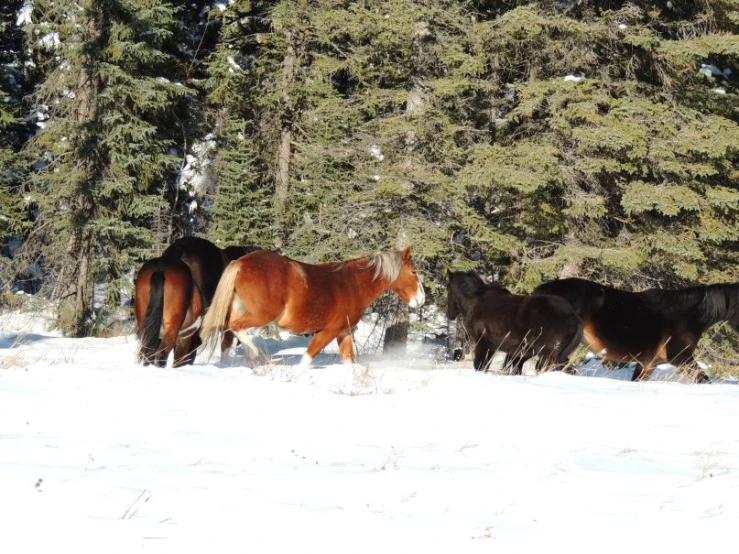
column 521, row 326
column 169, row 307
column 649, row 327
column 326, row 300
column 172, row 294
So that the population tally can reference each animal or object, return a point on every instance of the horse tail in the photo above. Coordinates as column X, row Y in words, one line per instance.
column 154, row 316
column 217, row 314
column 564, row 354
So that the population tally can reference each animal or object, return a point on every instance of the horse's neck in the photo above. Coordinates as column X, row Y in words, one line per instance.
column 709, row 304
column 465, row 305
column 721, row 302
column 365, row 277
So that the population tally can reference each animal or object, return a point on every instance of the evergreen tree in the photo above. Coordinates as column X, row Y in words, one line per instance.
column 241, row 208
column 111, row 121
column 13, row 85
column 617, row 158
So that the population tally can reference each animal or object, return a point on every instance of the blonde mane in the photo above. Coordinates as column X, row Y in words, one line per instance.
column 386, row 265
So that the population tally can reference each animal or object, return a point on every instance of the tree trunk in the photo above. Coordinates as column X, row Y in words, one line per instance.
column 398, row 324
column 75, row 283
column 284, row 151
column 75, row 307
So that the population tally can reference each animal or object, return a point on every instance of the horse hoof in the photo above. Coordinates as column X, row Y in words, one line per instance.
column 702, row 378
column 458, row 354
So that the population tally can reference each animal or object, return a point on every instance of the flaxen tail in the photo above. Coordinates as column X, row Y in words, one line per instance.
column 217, row 315
column 152, row 324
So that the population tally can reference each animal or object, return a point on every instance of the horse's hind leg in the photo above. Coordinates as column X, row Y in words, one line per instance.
column 186, row 350
column 169, row 341
column 228, row 340
column 172, row 325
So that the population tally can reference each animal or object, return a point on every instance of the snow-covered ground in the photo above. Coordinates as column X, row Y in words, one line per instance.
column 400, row 454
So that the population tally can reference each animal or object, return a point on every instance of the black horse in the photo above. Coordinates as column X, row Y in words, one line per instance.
column 649, row 327
column 521, row 326
column 192, row 284
column 235, row 252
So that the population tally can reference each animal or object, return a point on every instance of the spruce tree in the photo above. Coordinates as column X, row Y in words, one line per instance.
column 240, row 209
column 13, row 85
column 617, row 154
column 111, row 120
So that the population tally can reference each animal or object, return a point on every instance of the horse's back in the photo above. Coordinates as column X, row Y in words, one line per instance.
column 264, row 272
column 584, row 296
column 236, row 252
column 205, row 260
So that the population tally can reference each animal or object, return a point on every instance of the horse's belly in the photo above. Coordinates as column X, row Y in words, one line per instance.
column 296, row 322
column 624, row 349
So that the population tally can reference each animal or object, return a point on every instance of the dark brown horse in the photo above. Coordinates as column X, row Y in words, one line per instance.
column 325, row 299
column 649, row 327
column 172, row 294
column 521, row 326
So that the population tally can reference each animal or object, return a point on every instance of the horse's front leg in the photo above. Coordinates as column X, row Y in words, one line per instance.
column 687, row 363
column 642, row 372
column 346, row 346
column 169, row 340
column 319, row 342
column 516, row 364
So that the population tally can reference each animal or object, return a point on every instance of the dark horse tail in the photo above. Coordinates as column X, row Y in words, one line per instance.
column 564, row 354
column 154, row 315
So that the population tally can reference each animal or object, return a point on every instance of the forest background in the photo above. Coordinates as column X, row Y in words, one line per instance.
column 525, row 140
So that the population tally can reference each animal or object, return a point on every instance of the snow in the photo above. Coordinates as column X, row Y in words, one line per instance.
column 376, row 152
column 196, row 176
column 710, row 70
column 574, row 78
column 24, row 14
column 223, row 6
column 622, row 26
column 232, row 63
column 400, row 453
column 50, row 40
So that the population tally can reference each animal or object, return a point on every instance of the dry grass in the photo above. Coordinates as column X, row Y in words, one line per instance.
column 719, row 349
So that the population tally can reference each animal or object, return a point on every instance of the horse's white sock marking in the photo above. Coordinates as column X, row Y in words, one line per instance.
column 305, row 361
column 252, row 354
column 194, row 326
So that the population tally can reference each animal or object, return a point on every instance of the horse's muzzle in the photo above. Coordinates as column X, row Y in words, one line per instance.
column 419, row 298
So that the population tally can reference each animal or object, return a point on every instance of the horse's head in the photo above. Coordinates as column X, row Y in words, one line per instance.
column 733, row 305
column 463, row 288
column 407, row 284
column 452, row 306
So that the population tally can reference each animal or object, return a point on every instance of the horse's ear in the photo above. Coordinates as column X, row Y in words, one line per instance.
column 407, row 254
